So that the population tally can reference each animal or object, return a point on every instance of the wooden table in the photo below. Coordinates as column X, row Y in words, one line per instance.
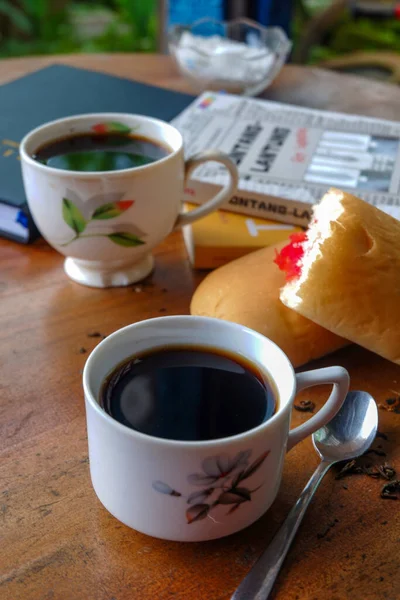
column 58, row 542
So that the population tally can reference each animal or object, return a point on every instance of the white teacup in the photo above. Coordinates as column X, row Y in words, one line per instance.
column 170, row 489
column 107, row 222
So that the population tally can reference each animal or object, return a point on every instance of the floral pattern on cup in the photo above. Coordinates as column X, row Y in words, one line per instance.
column 222, row 482
column 112, row 127
column 82, row 218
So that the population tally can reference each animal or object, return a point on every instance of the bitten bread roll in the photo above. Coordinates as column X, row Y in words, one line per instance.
column 246, row 291
column 345, row 275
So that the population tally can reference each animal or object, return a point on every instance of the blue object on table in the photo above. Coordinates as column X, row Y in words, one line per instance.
column 182, row 11
column 275, row 13
column 22, row 219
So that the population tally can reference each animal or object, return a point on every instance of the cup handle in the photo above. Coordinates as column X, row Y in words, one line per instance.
column 227, row 191
column 340, row 379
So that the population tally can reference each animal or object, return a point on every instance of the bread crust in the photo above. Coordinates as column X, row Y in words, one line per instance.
column 352, row 287
column 246, row 291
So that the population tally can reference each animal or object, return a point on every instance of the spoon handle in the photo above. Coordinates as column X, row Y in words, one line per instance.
column 259, row 582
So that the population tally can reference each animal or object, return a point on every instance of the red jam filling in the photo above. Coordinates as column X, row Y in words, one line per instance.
column 289, row 258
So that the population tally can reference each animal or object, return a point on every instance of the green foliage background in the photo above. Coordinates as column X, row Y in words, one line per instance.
column 59, row 26
column 50, row 26
column 348, row 34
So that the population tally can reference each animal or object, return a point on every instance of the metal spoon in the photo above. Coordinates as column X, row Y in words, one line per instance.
column 347, row 435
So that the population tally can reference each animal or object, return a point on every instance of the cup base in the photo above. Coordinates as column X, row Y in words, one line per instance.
column 80, row 272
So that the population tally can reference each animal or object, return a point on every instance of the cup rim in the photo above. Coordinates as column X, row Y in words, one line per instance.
column 26, row 157
column 213, row 443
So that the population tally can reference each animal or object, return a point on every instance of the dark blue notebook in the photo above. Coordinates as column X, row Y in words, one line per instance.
column 54, row 92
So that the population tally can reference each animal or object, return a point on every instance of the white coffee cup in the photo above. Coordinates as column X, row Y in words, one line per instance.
column 161, row 487
column 107, row 222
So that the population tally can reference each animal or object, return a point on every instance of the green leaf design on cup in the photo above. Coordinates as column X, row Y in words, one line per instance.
column 127, row 235
column 125, row 239
column 117, row 127
column 73, row 216
column 112, row 209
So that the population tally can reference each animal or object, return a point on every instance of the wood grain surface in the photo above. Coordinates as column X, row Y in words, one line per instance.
column 57, row 541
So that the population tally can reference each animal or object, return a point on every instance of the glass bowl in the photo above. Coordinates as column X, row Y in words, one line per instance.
column 239, row 56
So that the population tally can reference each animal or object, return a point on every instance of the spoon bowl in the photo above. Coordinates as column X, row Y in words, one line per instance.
column 351, row 431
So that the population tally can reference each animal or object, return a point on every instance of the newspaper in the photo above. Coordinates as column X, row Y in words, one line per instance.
column 289, row 156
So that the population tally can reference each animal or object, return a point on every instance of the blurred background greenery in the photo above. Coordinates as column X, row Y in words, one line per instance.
column 65, row 26
column 62, row 26
column 334, row 30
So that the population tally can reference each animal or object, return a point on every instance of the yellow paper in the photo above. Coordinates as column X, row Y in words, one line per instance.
column 223, row 236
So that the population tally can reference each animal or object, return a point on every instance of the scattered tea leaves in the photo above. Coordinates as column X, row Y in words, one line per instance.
column 391, row 405
column 371, row 472
column 391, row 490
column 354, row 467
column 305, row 406
column 94, row 334
column 348, row 468
column 82, row 350
column 380, row 434
column 386, row 471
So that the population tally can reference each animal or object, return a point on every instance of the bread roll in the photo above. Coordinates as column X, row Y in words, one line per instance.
column 348, row 278
column 246, row 291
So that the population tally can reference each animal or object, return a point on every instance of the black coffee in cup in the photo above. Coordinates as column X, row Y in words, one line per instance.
column 189, row 393
column 100, row 152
